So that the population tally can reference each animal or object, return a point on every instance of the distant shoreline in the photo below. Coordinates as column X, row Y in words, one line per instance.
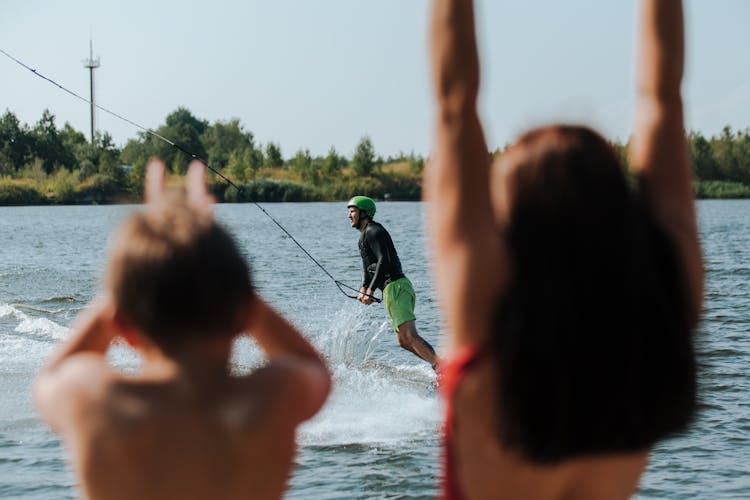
column 103, row 190
column 298, row 193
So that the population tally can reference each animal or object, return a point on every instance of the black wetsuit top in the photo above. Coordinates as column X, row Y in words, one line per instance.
column 379, row 258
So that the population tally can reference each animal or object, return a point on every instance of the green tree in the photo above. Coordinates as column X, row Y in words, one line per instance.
column 182, row 128
column 240, row 165
column 86, row 168
column 7, row 168
column 302, row 164
column 256, row 159
column 136, row 154
column 222, row 139
column 48, row 146
column 363, row 160
column 704, row 163
column 185, row 130
column 109, row 161
column 15, row 142
column 416, row 163
column 71, row 137
column 378, row 165
column 33, row 171
column 236, row 168
column 85, row 154
column 62, row 185
column 333, row 163
column 726, row 157
column 184, row 118
column 273, row 158
column 742, row 150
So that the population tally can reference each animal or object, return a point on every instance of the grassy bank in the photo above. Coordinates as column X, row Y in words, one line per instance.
column 721, row 190
column 397, row 181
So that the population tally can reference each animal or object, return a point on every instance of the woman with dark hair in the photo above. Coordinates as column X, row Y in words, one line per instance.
column 569, row 294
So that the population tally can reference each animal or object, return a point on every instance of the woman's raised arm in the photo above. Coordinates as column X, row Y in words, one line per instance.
column 659, row 151
column 462, row 223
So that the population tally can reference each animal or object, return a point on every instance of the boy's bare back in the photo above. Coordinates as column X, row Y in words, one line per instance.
column 164, row 437
column 183, row 427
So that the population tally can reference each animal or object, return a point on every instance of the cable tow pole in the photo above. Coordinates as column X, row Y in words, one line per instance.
column 340, row 285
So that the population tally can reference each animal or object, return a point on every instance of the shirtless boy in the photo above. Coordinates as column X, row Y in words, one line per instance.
column 179, row 292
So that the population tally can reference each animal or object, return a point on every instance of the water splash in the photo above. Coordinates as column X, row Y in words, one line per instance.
column 373, row 401
column 42, row 328
column 348, row 338
column 42, row 310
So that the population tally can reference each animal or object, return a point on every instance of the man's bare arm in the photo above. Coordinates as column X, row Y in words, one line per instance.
column 659, row 152
column 462, row 223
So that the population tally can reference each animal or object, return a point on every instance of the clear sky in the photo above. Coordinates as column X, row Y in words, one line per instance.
column 320, row 73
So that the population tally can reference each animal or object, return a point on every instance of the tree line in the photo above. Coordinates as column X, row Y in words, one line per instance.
column 44, row 163
column 59, row 165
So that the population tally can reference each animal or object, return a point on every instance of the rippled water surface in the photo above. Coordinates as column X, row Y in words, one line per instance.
column 378, row 435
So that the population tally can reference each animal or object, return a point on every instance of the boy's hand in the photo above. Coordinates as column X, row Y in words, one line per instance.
column 103, row 311
column 153, row 185
column 97, row 323
column 367, row 297
column 197, row 194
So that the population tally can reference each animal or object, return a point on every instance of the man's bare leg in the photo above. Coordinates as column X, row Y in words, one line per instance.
column 409, row 339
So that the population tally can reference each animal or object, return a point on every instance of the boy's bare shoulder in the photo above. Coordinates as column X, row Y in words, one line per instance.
column 85, row 392
column 80, row 373
column 277, row 392
column 64, row 393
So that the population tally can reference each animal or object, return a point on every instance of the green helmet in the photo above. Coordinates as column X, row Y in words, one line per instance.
column 363, row 203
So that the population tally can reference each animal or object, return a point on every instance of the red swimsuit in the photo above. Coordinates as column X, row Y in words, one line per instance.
column 453, row 372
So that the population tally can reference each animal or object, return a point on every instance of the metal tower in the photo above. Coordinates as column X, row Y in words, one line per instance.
column 91, row 64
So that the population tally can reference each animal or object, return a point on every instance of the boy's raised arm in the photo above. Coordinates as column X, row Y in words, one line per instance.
column 462, row 223
column 307, row 374
column 659, row 152
column 79, row 362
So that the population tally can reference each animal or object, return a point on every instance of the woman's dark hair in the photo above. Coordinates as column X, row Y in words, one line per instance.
column 592, row 336
column 174, row 274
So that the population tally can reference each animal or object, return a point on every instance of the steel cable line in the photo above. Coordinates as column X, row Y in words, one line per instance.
column 340, row 285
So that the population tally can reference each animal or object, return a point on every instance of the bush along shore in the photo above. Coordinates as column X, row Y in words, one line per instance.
column 45, row 164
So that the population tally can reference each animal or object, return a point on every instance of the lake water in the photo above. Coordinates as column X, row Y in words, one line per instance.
column 377, row 437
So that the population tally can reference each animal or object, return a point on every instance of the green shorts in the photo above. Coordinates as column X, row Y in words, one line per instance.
column 399, row 300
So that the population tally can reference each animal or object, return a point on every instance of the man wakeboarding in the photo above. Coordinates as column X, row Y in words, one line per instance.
column 382, row 270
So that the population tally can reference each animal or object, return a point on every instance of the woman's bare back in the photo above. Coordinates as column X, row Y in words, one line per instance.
column 485, row 469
